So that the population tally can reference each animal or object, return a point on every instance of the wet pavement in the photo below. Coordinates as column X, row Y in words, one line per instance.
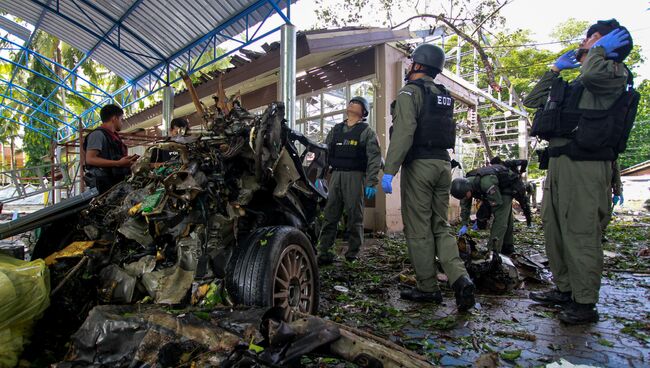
column 603, row 344
column 506, row 330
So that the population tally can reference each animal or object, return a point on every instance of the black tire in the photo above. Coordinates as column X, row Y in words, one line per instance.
column 261, row 265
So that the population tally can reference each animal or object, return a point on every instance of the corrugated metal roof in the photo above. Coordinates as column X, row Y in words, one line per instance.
column 14, row 28
column 150, row 32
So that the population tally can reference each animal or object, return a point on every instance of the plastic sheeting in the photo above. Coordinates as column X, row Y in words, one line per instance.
column 24, row 295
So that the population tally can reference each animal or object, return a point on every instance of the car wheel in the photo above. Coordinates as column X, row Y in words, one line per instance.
column 275, row 266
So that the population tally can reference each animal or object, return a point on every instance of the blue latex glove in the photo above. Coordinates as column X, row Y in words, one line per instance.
column 612, row 41
column 567, row 61
column 475, row 226
column 370, row 192
column 462, row 231
column 386, row 183
column 617, row 199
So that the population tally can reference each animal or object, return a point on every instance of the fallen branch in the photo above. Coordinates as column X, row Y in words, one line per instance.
column 485, row 59
column 69, row 275
column 363, row 348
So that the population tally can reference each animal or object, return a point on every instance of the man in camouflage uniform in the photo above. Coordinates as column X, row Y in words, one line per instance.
column 484, row 184
column 355, row 158
column 423, row 129
column 577, row 187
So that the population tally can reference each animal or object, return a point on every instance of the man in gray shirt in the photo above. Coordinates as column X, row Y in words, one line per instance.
column 107, row 159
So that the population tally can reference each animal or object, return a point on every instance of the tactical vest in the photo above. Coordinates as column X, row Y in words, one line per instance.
column 507, row 178
column 115, row 151
column 436, row 129
column 596, row 135
column 346, row 153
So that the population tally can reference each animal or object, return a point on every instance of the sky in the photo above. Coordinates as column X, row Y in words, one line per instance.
column 539, row 16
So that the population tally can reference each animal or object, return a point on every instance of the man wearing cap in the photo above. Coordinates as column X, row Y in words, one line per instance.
column 355, row 159
column 422, row 132
column 582, row 120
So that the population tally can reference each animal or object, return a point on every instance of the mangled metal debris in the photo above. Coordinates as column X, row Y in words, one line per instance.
column 128, row 336
column 192, row 223
column 488, row 269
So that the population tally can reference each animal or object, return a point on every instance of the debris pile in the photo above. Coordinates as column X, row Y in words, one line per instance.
column 121, row 336
column 168, row 234
column 488, row 269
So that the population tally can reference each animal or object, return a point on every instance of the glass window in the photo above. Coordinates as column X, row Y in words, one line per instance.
column 329, row 122
column 313, row 130
column 312, row 106
column 334, row 100
column 298, row 108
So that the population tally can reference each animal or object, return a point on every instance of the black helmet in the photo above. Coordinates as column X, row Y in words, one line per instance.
column 429, row 55
column 460, row 187
column 606, row 26
column 363, row 102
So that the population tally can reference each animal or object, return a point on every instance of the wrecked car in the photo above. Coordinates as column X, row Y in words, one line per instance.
column 233, row 216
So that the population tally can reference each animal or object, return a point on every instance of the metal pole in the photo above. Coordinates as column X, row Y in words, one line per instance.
column 460, row 44
column 167, row 109
column 57, row 163
column 523, row 139
column 287, row 88
column 82, row 158
column 52, row 197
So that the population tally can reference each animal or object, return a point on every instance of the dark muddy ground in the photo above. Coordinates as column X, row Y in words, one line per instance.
column 507, row 329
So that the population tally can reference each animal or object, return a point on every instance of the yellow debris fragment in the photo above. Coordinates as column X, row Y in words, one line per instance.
column 75, row 249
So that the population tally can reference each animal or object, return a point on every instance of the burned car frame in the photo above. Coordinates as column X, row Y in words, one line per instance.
column 234, row 213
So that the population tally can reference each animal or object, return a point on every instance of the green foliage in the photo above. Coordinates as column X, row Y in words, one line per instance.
column 638, row 146
column 571, row 31
column 36, row 145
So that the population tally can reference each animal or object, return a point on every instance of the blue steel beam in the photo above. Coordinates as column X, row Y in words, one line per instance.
column 220, row 57
column 27, row 126
column 28, row 44
column 25, row 114
column 56, row 11
column 122, row 27
column 11, row 86
column 46, row 78
column 46, row 113
column 41, row 58
column 88, row 54
column 207, row 38
column 187, row 52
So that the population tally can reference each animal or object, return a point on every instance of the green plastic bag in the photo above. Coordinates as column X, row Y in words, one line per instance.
column 24, row 296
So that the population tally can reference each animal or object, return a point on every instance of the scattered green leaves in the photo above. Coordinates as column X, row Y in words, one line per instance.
column 510, row 354
column 605, row 342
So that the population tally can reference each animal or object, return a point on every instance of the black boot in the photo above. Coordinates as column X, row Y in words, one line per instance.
column 554, row 296
column 577, row 314
column 507, row 249
column 416, row 295
column 464, row 291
